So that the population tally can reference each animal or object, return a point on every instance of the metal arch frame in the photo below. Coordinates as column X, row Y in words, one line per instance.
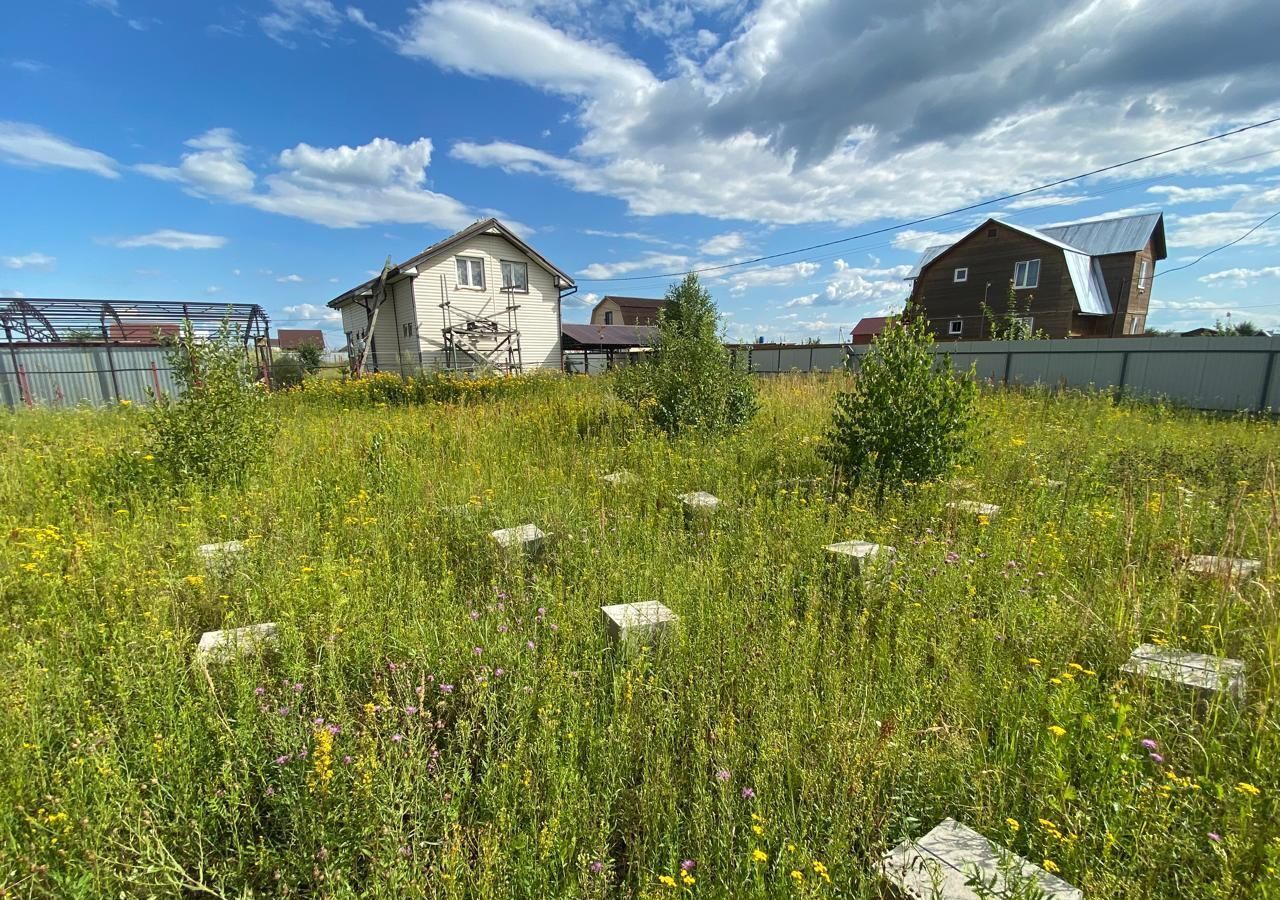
column 12, row 324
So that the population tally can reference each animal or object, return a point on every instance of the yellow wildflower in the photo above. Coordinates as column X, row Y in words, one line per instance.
column 797, row 875
column 1050, row 866
column 1013, row 823
column 1245, row 787
column 667, row 880
column 1057, row 730
column 759, row 855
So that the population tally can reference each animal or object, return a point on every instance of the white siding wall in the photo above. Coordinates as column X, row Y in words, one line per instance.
column 395, row 347
column 538, row 317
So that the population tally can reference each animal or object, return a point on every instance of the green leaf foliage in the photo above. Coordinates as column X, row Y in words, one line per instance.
column 906, row 419
column 689, row 380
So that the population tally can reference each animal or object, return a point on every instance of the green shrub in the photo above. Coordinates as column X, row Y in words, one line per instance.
column 906, row 418
column 689, row 380
column 217, row 429
column 311, row 355
column 288, row 370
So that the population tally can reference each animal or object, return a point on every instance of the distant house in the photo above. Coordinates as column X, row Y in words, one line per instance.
column 144, row 332
column 479, row 299
column 626, row 311
column 868, row 329
column 1084, row 279
column 294, row 338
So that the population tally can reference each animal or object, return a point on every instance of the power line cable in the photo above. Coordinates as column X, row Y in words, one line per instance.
column 1205, row 256
column 942, row 215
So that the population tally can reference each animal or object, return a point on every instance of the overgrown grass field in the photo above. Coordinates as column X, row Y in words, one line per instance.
column 443, row 720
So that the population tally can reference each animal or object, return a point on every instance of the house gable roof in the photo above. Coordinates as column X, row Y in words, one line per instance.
column 633, row 306
column 1084, row 270
column 871, row 325
column 484, row 226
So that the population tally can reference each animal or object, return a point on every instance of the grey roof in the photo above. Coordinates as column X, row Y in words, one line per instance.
column 608, row 336
column 929, row 255
column 1099, row 237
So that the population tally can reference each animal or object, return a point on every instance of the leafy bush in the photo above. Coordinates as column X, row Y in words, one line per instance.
column 905, row 420
column 311, row 355
column 288, row 370
column 217, row 428
column 689, row 380
column 386, row 388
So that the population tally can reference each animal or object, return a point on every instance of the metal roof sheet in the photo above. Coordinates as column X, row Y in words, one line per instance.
column 929, row 255
column 1098, row 237
column 614, row 336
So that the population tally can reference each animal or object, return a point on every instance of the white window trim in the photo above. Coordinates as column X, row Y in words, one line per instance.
column 1027, row 263
column 463, row 285
column 1142, row 275
column 952, row 329
column 1028, row 321
column 961, row 275
column 515, row 262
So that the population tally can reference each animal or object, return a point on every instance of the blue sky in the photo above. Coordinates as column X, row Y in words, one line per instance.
column 276, row 151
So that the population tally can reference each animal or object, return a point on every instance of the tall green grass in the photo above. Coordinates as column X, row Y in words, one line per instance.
column 486, row 739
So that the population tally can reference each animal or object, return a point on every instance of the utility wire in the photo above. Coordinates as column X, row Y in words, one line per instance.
column 942, row 215
column 1223, row 247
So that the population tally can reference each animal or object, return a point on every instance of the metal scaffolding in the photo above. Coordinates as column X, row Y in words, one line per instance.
column 480, row 341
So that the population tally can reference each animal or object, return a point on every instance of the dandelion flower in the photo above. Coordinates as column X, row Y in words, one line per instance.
column 1057, row 730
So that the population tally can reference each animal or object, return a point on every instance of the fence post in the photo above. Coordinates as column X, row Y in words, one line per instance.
column 1124, row 370
column 155, row 379
column 1265, row 394
column 23, row 387
column 1008, row 363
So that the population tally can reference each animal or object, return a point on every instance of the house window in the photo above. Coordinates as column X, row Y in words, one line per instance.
column 515, row 276
column 955, row 326
column 406, row 330
column 1026, row 274
column 1142, row 275
column 961, row 274
column 608, row 317
column 1025, row 324
column 471, row 272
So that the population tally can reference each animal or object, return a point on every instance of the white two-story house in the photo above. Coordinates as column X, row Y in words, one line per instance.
column 481, row 298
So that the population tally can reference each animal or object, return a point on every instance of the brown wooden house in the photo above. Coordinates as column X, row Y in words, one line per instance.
column 626, row 311
column 1083, row 279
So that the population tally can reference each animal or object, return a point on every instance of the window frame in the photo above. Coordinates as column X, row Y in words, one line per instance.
column 1026, row 268
column 1142, row 275
column 466, row 284
column 608, row 317
column 1028, row 321
column 953, row 331
column 960, row 275
column 502, row 268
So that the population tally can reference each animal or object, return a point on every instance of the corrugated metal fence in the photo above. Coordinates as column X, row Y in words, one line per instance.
column 63, row 375
column 1222, row 373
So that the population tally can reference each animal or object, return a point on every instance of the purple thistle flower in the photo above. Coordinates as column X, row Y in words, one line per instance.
column 542, row 611
column 405, row 851
column 282, row 760
column 1148, row 743
column 554, row 627
column 347, row 760
column 687, row 865
column 530, row 644
column 1156, row 757
column 284, row 710
column 723, row 775
column 410, row 710
column 297, row 688
column 476, row 651
column 419, row 690
column 318, row 721
column 499, row 672
column 446, row 689
column 475, row 614
column 596, row 867
column 397, row 738
column 259, row 691
column 1215, row 837
column 503, row 629
column 748, row 793
column 332, row 729
column 302, row 754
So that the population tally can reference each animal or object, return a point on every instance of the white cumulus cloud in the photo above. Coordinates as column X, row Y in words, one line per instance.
column 40, row 262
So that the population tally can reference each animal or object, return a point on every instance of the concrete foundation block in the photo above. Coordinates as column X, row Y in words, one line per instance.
column 528, row 538
column 229, row 645
column 974, row 508
column 639, row 622
column 860, row 551
column 1223, row 566
column 954, row 862
column 700, row 503
column 1194, row 670
column 220, row 558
